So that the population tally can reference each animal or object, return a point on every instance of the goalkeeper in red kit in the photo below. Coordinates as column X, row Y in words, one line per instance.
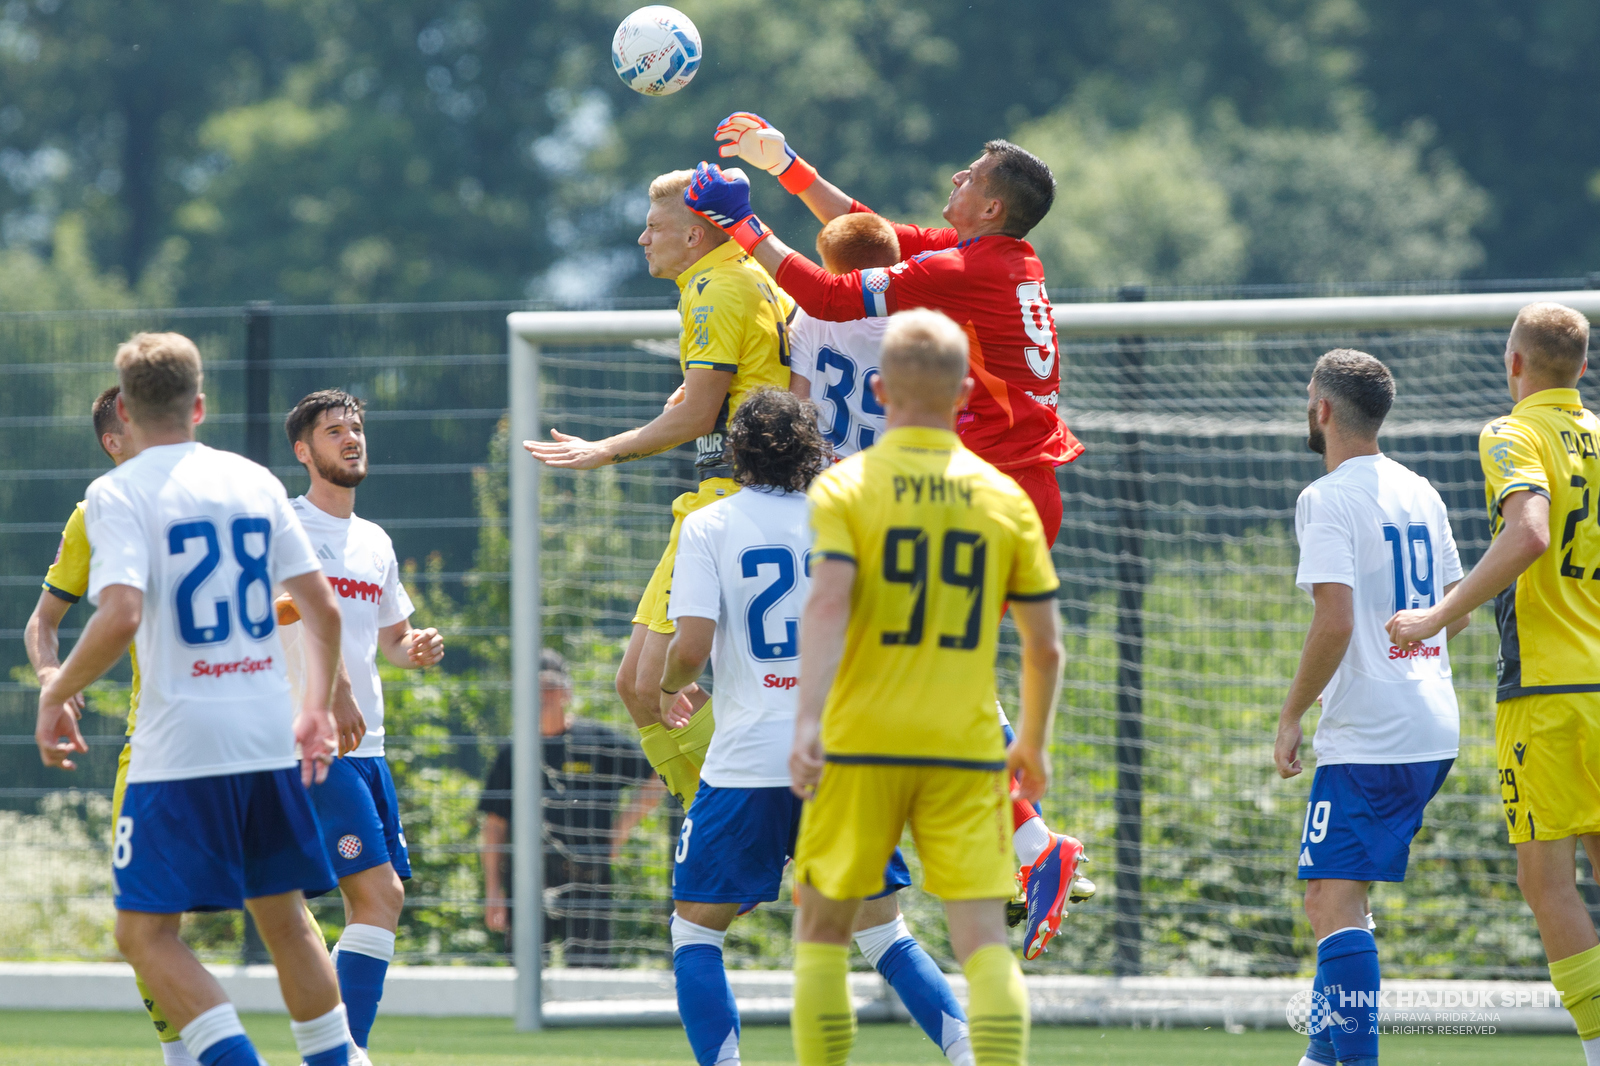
column 982, row 274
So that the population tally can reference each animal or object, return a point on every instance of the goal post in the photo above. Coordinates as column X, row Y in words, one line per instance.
column 1182, row 620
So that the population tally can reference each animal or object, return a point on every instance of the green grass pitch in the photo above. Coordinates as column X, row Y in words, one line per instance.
column 64, row 1038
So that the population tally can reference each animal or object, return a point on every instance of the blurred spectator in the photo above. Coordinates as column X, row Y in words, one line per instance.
column 587, row 768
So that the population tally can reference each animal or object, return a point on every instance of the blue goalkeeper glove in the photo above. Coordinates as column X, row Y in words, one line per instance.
column 752, row 138
column 724, row 198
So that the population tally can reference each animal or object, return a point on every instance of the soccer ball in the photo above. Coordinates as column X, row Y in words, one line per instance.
column 656, row 50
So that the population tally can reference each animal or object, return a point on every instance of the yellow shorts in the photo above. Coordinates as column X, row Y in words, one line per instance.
column 960, row 820
column 1547, row 748
column 120, row 788
column 653, row 604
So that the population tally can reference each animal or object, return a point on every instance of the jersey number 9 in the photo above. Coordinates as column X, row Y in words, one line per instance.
column 252, row 571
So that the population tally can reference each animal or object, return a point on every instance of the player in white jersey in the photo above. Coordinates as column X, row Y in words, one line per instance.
column 1374, row 539
column 186, row 545
column 741, row 577
column 356, row 805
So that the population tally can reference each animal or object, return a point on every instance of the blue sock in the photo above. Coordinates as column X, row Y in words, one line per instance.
column 231, row 1051
column 360, row 986
column 1320, row 1049
column 915, row 978
column 705, row 999
column 1348, row 962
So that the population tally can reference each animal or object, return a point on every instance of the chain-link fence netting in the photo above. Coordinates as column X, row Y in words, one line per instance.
column 1182, row 624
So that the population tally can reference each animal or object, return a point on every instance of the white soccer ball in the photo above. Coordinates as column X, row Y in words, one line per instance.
column 656, row 50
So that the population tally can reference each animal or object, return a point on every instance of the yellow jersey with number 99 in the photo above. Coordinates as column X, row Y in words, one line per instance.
column 1549, row 617
column 940, row 540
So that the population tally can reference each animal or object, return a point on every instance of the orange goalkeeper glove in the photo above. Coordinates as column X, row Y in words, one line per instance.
column 753, row 139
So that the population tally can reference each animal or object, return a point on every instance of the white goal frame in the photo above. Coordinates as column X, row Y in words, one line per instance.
column 529, row 331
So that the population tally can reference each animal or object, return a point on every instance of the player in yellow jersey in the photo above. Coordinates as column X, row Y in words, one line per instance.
column 919, row 545
column 1541, row 466
column 734, row 340
column 64, row 585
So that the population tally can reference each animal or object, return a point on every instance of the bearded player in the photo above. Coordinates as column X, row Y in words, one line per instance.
column 982, row 274
column 356, row 806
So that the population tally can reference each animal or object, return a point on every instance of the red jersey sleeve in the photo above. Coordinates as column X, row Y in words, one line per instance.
column 932, row 279
column 914, row 240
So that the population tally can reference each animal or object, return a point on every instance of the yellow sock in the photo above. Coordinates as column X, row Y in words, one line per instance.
column 1577, row 978
column 824, row 1020
column 997, row 1007
column 694, row 738
column 682, row 776
column 166, row 1032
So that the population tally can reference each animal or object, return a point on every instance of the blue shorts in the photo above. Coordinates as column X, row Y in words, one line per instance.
column 1361, row 818
column 736, row 841
column 210, row 843
column 360, row 817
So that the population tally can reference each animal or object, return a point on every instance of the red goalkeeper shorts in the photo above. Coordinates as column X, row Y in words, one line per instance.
column 1039, row 482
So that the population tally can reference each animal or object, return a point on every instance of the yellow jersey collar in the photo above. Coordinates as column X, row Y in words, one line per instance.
column 921, row 437
column 723, row 253
column 1550, row 398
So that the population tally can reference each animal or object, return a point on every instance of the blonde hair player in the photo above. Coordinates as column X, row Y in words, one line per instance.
column 188, row 542
column 1541, row 468
column 918, row 544
column 734, row 339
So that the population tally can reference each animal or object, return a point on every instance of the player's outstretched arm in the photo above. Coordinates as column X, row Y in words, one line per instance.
column 1333, row 619
column 41, row 638
column 492, row 852
column 1524, row 536
column 756, row 141
column 823, row 622
column 1039, row 627
column 694, row 416
column 104, row 639
column 314, row 728
column 686, row 658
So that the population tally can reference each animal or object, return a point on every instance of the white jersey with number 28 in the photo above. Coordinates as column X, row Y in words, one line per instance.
column 840, row 359
column 204, row 535
column 1377, row 527
column 743, row 562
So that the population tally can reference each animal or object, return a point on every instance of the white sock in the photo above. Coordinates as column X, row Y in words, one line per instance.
column 880, row 938
column 216, row 1024
column 1030, row 840
column 1591, row 1051
column 176, row 1053
column 686, row 932
column 370, row 940
column 321, row 1034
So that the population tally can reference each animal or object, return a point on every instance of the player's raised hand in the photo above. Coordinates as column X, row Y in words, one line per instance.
column 805, row 759
column 425, row 647
column 723, row 196
column 1031, row 770
column 318, row 740
column 568, row 452
column 1286, row 749
column 756, row 141
column 56, row 731
column 1408, row 629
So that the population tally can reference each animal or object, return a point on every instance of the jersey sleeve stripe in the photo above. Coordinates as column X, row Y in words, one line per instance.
column 1033, row 597
column 843, row 557
column 61, row 593
column 700, row 364
column 874, row 283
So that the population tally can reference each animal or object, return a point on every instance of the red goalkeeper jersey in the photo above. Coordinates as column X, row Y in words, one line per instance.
column 993, row 287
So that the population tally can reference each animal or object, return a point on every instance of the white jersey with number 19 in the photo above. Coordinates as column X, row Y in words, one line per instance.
column 1377, row 527
column 840, row 359
column 204, row 535
column 743, row 562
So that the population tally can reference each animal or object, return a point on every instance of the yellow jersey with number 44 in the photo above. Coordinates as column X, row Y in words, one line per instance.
column 940, row 540
column 735, row 319
column 1549, row 617
column 68, row 579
